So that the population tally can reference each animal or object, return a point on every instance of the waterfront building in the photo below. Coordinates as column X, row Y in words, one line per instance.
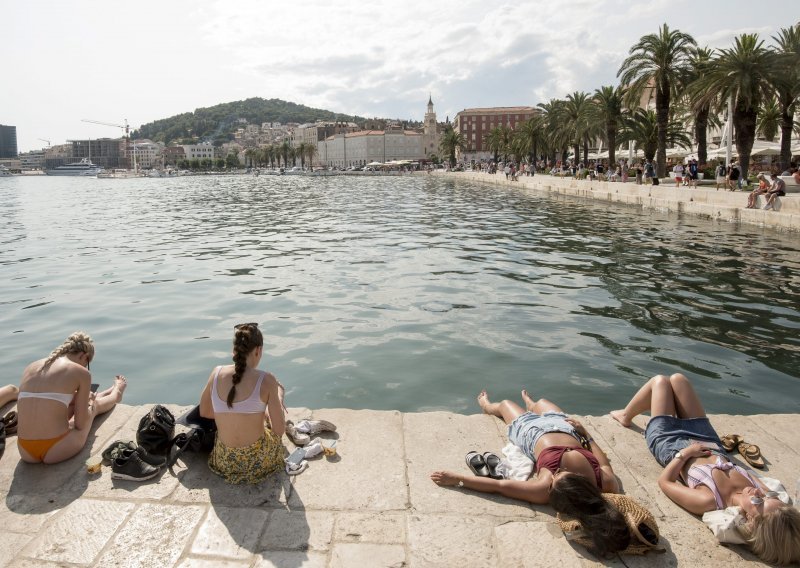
column 319, row 131
column 107, row 153
column 8, row 141
column 203, row 151
column 476, row 124
column 173, row 155
column 33, row 160
column 149, row 154
column 367, row 146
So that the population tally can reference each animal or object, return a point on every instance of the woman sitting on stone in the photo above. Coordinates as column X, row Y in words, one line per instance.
column 762, row 188
column 55, row 405
column 681, row 438
column 569, row 477
column 247, row 404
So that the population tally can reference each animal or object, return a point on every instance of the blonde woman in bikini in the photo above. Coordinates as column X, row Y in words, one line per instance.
column 55, row 405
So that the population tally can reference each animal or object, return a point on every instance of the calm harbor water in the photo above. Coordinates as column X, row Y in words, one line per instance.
column 405, row 293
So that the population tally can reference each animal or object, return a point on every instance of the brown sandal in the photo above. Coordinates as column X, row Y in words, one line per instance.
column 752, row 454
column 731, row 442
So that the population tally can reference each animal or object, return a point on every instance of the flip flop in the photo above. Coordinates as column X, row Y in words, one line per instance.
column 492, row 461
column 476, row 464
column 730, row 442
column 752, row 454
column 10, row 420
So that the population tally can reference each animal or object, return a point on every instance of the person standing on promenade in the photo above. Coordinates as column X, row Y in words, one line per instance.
column 694, row 173
column 678, row 171
column 733, row 177
column 247, row 404
column 722, row 175
column 681, row 438
column 55, row 406
column 649, row 172
column 639, row 172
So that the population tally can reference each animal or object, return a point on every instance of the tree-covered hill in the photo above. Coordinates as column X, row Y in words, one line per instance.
column 217, row 123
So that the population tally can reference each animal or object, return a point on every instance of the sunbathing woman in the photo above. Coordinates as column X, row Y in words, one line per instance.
column 241, row 398
column 681, row 438
column 569, row 477
column 55, row 406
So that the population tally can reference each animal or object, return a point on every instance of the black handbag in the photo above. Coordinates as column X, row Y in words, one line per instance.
column 156, row 429
column 200, row 439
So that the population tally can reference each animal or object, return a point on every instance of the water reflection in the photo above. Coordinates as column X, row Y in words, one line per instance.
column 404, row 293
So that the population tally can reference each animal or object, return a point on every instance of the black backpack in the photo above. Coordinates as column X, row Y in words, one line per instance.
column 156, row 429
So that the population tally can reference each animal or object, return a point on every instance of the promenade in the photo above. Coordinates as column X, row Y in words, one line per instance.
column 704, row 201
column 371, row 506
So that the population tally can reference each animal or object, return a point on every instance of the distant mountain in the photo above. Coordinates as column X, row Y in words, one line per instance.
column 217, row 124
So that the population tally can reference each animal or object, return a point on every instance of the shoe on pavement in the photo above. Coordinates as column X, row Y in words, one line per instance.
column 128, row 465
column 298, row 438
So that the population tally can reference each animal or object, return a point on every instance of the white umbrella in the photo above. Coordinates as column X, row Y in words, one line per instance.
column 677, row 152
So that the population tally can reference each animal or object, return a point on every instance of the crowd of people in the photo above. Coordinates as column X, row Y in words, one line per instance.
column 57, row 404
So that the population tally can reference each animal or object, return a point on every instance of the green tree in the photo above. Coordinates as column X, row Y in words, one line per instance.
column 658, row 62
column 232, row 161
column 575, row 120
column 310, row 153
column 608, row 110
column 744, row 73
column 556, row 134
column 700, row 109
column 532, row 137
column 641, row 128
column 787, row 85
column 769, row 118
column 285, row 151
column 219, row 163
column 451, row 142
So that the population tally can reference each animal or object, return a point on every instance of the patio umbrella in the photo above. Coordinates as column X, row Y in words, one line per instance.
column 764, row 148
column 677, row 152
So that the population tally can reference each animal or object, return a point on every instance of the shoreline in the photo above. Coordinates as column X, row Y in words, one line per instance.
column 722, row 206
column 373, row 505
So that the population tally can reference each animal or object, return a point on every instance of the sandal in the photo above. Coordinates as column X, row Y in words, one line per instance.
column 731, row 442
column 752, row 454
column 10, row 421
column 476, row 464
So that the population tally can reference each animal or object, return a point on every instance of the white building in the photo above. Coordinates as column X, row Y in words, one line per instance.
column 361, row 148
column 199, row 151
column 148, row 154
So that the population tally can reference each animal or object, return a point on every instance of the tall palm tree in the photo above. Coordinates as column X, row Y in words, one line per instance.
column 787, row 86
column 300, row 150
column 641, row 127
column 576, row 120
column 769, row 118
column 494, row 142
column 311, row 151
column 608, row 109
column 450, row 143
column 532, row 137
column 285, row 151
column 742, row 72
column 557, row 135
column 658, row 62
column 700, row 111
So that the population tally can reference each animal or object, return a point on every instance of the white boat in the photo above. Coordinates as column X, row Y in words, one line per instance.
column 4, row 171
column 83, row 168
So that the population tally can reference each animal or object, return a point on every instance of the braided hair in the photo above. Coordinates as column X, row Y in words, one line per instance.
column 578, row 498
column 245, row 338
column 78, row 342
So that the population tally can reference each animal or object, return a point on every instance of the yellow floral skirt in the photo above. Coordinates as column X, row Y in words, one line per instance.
column 249, row 464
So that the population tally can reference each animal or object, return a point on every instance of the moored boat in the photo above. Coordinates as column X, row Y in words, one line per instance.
column 83, row 168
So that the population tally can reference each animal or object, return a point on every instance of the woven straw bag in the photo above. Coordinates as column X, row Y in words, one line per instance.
column 637, row 517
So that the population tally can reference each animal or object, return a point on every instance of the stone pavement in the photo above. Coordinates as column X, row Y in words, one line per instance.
column 372, row 505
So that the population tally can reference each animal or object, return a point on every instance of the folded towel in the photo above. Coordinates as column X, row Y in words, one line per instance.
column 516, row 464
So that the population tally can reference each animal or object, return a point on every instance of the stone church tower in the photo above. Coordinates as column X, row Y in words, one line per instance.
column 430, row 132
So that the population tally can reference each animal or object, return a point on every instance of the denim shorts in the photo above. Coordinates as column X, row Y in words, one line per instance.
column 667, row 435
column 527, row 428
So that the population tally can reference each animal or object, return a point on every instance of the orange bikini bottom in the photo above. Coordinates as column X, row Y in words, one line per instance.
column 37, row 449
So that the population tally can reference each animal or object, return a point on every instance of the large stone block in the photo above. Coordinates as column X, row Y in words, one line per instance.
column 379, row 528
column 345, row 555
column 287, row 559
column 446, row 541
column 230, row 533
column 298, row 530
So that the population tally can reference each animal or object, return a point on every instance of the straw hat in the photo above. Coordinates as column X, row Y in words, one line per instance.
column 641, row 524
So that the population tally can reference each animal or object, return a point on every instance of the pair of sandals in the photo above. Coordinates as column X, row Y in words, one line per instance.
column 483, row 465
column 750, row 452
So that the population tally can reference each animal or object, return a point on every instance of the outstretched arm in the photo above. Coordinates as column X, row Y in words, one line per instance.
column 533, row 491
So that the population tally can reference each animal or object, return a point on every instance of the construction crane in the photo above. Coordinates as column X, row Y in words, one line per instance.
column 43, row 140
column 124, row 127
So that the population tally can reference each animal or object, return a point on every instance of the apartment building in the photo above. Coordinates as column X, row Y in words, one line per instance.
column 476, row 123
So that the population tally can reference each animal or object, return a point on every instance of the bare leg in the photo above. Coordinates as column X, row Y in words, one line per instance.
column 109, row 398
column 7, row 394
column 507, row 410
column 656, row 396
column 687, row 403
column 539, row 406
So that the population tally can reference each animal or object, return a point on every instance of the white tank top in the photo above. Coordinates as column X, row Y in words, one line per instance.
column 251, row 405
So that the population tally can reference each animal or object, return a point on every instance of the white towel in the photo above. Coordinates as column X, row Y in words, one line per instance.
column 516, row 465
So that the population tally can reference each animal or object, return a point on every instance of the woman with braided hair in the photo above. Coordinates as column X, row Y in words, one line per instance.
column 247, row 404
column 55, row 404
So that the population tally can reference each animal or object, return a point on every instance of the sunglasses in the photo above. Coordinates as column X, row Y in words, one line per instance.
column 244, row 325
column 757, row 500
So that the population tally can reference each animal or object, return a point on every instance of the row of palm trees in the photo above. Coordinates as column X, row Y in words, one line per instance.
column 273, row 155
column 692, row 88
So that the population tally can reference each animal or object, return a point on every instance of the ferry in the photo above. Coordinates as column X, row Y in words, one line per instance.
column 83, row 168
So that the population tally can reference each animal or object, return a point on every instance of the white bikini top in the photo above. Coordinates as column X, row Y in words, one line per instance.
column 251, row 405
column 66, row 399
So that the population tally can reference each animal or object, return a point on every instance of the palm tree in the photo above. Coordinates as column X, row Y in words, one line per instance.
column 742, row 73
column 700, row 111
column 285, row 150
column 556, row 134
column 608, row 109
column 531, row 136
column 658, row 61
column 787, row 86
column 300, row 150
column 641, row 127
column 450, row 143
column 769, row 118
column 311, row 151
column 499, row 141
column 575, row 120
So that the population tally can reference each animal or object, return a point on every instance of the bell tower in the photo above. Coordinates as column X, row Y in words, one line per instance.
column 429, row 123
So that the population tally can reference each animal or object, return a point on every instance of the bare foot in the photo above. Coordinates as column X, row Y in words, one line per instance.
column 529, row 402
column 619, row 416
column 120, row 384
column 483, row 400
column 444, row 478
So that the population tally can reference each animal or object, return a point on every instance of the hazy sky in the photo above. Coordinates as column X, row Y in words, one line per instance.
column 145, row 60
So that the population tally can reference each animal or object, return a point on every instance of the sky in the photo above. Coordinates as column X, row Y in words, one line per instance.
column 142, row 61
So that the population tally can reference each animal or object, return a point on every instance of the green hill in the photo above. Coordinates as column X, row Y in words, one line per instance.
column 218, row 123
